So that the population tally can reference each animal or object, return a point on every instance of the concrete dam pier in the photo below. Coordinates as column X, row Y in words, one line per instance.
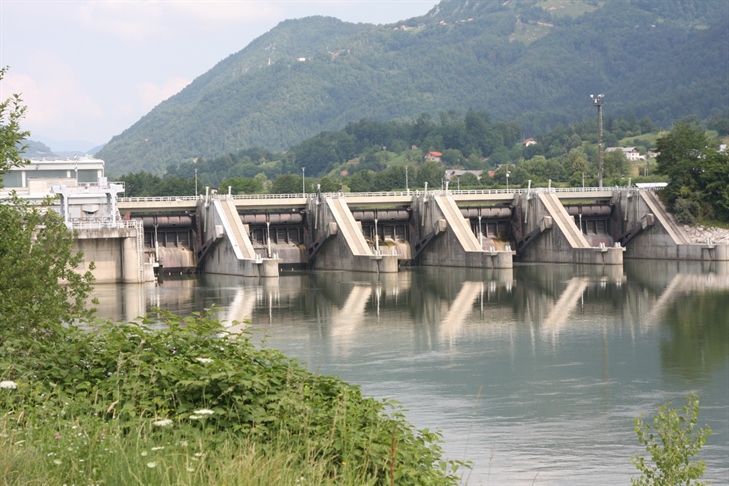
column 260, row 235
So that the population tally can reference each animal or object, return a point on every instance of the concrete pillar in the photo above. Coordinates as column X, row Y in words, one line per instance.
column 130, row 260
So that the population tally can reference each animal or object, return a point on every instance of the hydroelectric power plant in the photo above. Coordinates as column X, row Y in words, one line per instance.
column 262, row 235
column 133, row 239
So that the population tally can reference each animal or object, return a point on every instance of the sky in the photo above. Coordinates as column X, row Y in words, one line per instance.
column 87, row 70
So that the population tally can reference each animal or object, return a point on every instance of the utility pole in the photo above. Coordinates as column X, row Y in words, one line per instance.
column 598, row 101
column 303, row 181
column 195, row 183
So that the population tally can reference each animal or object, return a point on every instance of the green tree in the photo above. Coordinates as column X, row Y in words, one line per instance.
column 286, row 184
column 362, row 181
column 242, row 185
column 39, row 285
column 11, row 136
column 36, row 258
column 698, row 173
column 671, row 440
column 615, row 164
column 141, row 184
column 432, row 173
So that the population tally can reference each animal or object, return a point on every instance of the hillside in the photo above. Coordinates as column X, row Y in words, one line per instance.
column 533, row 62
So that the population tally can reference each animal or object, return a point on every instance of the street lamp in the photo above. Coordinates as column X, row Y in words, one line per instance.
column 507, row 180
column 303, row 181
column 598, row 101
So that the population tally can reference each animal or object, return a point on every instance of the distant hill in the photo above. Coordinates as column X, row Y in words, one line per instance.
column 37, row 150
column 533, row 62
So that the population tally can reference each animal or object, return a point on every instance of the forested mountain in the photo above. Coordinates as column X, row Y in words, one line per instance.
column 526, row 61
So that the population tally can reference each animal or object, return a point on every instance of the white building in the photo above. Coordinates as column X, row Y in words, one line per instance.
column 631, row 153
column 41, row 174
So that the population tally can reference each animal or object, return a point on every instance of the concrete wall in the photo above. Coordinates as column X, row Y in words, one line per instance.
column 114, row 252
column 346, row 249
column 447, row 249
column 226, row 258
column 664, row 239
column 561, row 241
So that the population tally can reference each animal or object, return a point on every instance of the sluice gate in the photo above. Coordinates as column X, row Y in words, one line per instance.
column 381, row 232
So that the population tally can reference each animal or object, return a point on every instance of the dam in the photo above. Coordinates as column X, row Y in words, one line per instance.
column 261, row 235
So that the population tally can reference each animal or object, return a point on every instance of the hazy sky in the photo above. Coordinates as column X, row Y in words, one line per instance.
column 87, row 70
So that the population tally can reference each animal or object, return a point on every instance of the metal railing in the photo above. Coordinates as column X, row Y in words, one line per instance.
column 105, row 223
column 567, row 190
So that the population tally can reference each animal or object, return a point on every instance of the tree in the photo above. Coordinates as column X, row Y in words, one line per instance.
column 672, row 440
column 36, row 258
column 286, row 184
column 11, row 137
column 432, row 173
column 39, row 285
column 698, row 173
column 242, row 185
column 615, row 164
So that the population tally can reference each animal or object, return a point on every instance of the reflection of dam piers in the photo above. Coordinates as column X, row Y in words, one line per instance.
column 257, row 235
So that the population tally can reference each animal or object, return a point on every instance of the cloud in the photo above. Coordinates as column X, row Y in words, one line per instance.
column 150, row 94
column 149, row 19
column 54, row 96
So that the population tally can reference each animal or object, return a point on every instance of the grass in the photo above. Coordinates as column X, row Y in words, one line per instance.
column 92, row 451
column 190, row 404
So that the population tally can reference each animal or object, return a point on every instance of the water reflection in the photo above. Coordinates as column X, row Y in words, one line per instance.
column 544, row 364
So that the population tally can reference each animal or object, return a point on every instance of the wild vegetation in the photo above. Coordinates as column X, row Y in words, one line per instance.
column 532, row 62
column 671, row 440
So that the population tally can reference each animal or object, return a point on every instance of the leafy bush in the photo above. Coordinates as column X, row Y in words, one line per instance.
column 198, row 379
column 672, row 440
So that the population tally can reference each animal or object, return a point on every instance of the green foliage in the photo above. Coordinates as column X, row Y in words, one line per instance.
column 39, row 285
column 11, row 136
column 191, row 377
column 36, row 258
column 287, row 184
column 671, row 441
column 242, row 185
column 698, row 173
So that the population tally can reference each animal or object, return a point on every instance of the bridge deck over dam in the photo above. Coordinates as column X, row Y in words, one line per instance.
column 560, row 225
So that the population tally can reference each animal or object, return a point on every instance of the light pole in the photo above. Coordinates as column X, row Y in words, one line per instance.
column 598, row 101
column 195, row 183
column 303, row 180
column 507, row 180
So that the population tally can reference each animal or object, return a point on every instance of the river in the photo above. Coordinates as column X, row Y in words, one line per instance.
column 535, row 374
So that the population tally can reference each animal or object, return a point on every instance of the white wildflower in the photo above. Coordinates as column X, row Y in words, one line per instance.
column 57, row 462
column 204, row 411
column 158, row 448
column 151, row 465
column 162, row 423
column 10, row 385
column 190, row 469
column 195, row 417
column 204, row 360
column 144, row 453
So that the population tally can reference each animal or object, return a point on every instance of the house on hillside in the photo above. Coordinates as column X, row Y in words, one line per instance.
column 528, row 142
column 631, row 153
column 433, row 156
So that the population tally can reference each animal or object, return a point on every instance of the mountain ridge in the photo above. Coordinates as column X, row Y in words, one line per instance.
column 319, row 73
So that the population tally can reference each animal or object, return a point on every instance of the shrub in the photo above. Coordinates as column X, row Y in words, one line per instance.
column 672, row 440
column 199, row 379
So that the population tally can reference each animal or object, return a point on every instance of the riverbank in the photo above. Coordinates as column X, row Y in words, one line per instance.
column 189, row 403
column 700, row 234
